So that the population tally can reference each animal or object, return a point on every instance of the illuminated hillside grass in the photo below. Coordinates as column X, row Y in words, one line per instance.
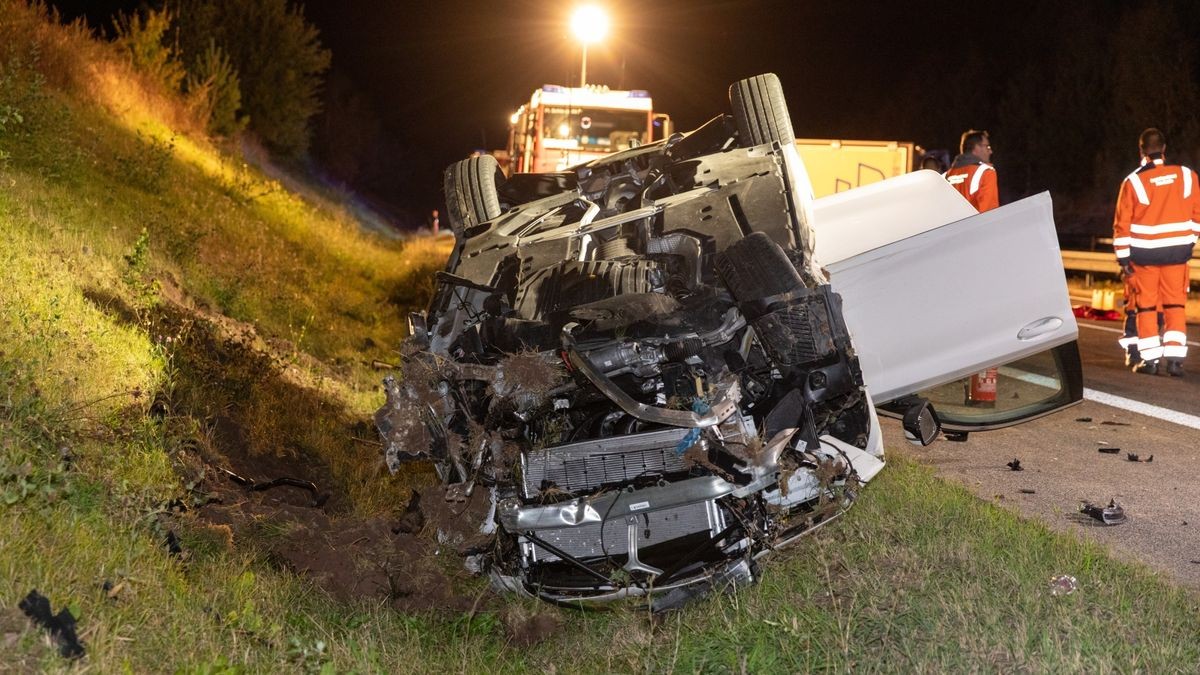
column 152, row 288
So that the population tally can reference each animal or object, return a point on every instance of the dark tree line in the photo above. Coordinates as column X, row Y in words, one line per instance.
column 256, row 64
column 1064, row 88
column 1066, row 96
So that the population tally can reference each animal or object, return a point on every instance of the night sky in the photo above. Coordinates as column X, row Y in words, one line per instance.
column 1063, row 87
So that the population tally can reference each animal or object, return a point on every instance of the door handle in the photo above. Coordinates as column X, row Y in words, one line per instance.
column 1036, row 329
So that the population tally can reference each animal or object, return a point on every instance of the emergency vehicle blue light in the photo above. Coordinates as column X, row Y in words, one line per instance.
column 554, row 88
column 639, row 93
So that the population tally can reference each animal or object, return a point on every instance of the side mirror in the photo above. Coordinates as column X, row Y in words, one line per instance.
column 921, row 425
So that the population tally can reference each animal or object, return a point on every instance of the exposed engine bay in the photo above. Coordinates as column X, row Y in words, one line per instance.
column 640, row 364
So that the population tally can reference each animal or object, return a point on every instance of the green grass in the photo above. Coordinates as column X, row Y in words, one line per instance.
column 157, row 296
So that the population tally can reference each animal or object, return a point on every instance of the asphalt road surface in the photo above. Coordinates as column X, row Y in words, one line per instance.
column 1142, row 414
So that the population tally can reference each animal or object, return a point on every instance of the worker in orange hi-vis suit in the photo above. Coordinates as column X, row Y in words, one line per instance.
column 971, row 174
column 1155, row 227
column 975, row 179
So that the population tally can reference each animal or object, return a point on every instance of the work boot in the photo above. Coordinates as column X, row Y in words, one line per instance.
column 1147, row 367
column 1175, row 367
column 1132, row 358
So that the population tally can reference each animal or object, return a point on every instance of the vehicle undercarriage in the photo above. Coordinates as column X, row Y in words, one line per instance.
column 640, row 363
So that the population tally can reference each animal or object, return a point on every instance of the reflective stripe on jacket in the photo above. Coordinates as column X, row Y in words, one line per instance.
column 1158, row 215
column 976, row 182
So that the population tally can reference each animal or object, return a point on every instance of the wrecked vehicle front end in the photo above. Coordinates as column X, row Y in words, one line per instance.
column 640, row 365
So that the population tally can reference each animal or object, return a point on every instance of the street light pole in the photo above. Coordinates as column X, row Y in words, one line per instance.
column 589, row 23
column 583, row 68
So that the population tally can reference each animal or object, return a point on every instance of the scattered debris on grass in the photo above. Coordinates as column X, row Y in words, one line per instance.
column 112, row 591
column 61, row 626
column 1113, row 514
column 1063, row 584
column 1109, row 451
column 319, row 498
column 172, row 544
column 1015, row 465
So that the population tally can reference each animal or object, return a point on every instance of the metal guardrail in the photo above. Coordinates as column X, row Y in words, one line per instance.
column 1106, row 263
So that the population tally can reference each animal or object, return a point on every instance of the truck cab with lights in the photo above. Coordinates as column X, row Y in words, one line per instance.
column 562, row 126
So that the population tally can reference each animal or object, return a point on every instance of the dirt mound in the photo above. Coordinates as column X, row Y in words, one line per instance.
column 349, row 557
column 526, row 628
column 259, row 480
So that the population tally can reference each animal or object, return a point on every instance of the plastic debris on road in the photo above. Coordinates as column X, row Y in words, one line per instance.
column 1113, row 514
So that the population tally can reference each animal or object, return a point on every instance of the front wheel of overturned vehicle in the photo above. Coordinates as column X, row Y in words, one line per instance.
column 471, row 192
column 760, row 110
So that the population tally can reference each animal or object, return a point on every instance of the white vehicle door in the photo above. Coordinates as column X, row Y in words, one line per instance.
column 933, row 292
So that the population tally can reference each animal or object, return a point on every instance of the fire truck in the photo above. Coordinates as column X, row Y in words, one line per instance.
column 563, row 126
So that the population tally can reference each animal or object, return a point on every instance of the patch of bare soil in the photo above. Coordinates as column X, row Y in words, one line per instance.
column 526, row 628
column 14, row 626
column 257, row 485
column 349, row 557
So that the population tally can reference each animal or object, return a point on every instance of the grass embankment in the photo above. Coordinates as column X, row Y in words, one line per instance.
column 160, row 301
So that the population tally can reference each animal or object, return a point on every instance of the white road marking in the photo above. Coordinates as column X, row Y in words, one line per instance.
column 1104, row 398
column 1140, row 408
column 1119, row 331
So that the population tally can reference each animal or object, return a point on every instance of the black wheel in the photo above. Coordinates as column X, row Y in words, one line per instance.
column 471, row 192
column 761, row 110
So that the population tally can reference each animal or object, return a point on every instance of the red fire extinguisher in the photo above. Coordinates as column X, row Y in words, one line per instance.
column 981, row 392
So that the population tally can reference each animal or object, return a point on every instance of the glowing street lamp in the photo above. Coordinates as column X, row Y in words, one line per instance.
column 589, row 23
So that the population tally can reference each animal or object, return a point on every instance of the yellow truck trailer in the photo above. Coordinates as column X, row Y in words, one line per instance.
column 837, row 165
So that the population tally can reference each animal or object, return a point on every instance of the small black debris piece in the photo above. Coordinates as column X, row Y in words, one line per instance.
column 1083, row 419
column 112, row 591
column 61, row 626
column 1027, row 491
column 172, row 542
column 955, row 436
column 1112, row 514
column 254, row 486
column 1015, row 465
column 1150, row 459
column 1115, row 424
column 1132, row 456
column 1110, row 451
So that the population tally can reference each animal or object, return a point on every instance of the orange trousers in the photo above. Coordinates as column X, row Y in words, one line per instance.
column 1161, row 288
